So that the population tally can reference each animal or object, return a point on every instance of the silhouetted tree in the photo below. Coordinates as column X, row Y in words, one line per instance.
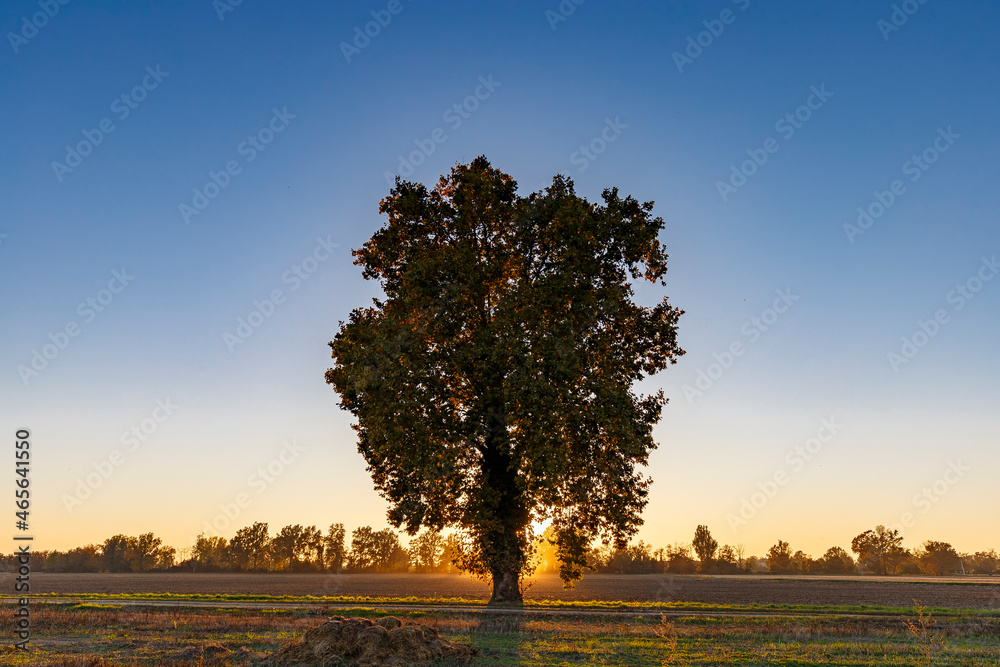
column 983, row 562
column 679, row 560
column 114, row 553
column 142, row 551
column 938, row 558
column 879, row 550
column 165, row 558
column 362, row 555
column 425, row 550
column 836, row 561
column 779, row 557
column 705, row 546
column 727, row 561
column 451, row 553
column 492, row 384
column 312, row 548
column 336, row 552
column 291, row 544
column 390, row 556
column 248, row 546
column 210, row 553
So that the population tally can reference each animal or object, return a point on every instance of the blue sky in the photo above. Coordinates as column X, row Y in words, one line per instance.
column 673, row 129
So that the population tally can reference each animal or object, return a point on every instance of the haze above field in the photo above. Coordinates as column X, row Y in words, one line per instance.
column 211, row 230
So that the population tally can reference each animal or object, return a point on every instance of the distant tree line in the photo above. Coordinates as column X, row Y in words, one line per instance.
column 253, row 549
column 308, row 549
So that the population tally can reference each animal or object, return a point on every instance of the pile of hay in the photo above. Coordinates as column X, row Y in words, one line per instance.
column 366, row 643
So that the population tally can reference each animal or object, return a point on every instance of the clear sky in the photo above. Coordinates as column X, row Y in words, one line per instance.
column 186, row 169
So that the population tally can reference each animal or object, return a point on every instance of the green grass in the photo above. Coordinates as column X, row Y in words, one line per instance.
column 528, row 604
column 93, row 634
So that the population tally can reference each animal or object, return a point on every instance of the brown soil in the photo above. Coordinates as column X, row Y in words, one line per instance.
column 975, row 594
column 386, row 642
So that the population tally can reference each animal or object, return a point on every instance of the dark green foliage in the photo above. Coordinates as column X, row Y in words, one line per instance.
column 492, row 384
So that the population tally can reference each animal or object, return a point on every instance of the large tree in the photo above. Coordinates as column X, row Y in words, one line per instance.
column 115, row 552
column 705, row 546
column 938, row 558
column 779, row 558
column 143, row 550
column 335, row 552
column 248, row 546
column 492, row 385
column 880, row 550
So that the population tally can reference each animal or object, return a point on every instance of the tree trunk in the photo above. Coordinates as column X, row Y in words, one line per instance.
column 507, row 513
column 506, row 587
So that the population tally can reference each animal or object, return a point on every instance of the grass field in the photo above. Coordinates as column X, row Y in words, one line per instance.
column 968, row 592
column 106, row 634
column 129, row 627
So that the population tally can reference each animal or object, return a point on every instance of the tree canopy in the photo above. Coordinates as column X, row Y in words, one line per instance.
column 492, row 385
